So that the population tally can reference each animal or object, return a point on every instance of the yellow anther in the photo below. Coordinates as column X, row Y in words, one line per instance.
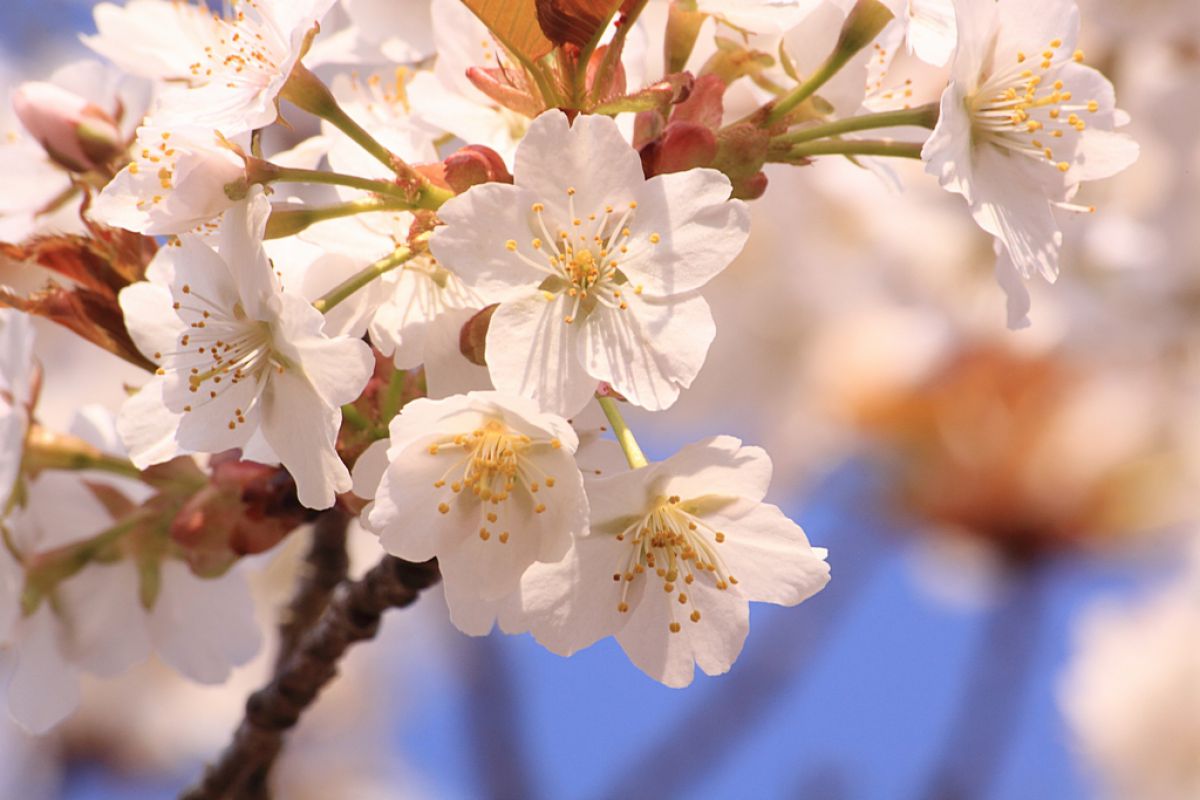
column 675, row 627
column 510, row 245
column 695, row 616
column 442, row 507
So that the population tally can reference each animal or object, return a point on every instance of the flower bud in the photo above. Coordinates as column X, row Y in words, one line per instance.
column 76, row 134
column 865, row 21
column 683, row 146
column 246, row 508
column 473, row 165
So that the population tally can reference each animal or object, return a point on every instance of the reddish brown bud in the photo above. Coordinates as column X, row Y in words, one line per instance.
column 683, row 146
column 247, row 508
column 473, row 165
column 704, row 104
column 472, row 339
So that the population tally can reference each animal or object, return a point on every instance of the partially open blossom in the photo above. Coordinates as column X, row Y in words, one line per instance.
column 76, row 133
column 238, row 356
column 484, row 482
column 1023, row 123
column 676, row 552
column 595, row 268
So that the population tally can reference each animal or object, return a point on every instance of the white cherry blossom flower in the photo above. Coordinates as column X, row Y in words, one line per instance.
column 238, row 355
column 236, row 84
column 595, row 268
column 97, row 622
column 486, row 483
column 176, row 181
column 1022, row 123
column 676, row 552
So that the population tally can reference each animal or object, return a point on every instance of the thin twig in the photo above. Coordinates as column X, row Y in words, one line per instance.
column 352, row 616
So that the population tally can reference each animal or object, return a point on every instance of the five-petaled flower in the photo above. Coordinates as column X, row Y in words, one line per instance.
column 596, row 269
column 485, row 482
column 1022, row 123
column 675, row 553
column 238, row 355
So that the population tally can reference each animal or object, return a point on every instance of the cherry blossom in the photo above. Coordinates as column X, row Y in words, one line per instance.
column 595, row 268
column 1023, row 123
column 484, row 482
column 238, row 355
column 244, row 65
column 675, row 553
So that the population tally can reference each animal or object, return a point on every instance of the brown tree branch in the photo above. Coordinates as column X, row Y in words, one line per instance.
column 353, row 615
column 326, row 564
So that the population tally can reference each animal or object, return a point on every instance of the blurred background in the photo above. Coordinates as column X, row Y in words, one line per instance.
column 1011, row 519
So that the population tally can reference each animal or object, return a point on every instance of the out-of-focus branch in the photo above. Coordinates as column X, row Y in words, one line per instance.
column 353, row 615
column 325, row 567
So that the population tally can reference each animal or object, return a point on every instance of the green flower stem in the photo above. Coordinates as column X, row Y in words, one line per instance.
column 307, row 91
column 633, row 453
column 278, row 174
column 286, row 221
column 863, row 24
column 923, row 116
column 46, row 450
column 357, row 281
column 852, row 147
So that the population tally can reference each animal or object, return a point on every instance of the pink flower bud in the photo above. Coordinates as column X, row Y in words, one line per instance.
column 75, row 133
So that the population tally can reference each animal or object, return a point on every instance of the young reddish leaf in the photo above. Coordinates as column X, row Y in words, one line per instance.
column 515, row 24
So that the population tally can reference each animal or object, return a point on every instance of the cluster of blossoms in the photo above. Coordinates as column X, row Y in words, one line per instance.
column 417, row 315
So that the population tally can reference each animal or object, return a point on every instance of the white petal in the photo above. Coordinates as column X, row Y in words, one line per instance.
column 203, row 628
column 302, row 430
column 554, row 154
column 369, row 468
column 105, row 622
column 150, row 318
column 1018, row 302
column 473, row 242
column 714, row 642
column 769, row 555
column 648, row 351
column 717, row 466
column 699, row 230
column 532, row 352
column 43, row 688
column 147, row 427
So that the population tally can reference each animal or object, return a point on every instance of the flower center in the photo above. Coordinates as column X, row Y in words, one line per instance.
column 494, row 463
column 677, row 547
column 219, row 350
column 1026, row 109
column 242, row 52
column 583, row 258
